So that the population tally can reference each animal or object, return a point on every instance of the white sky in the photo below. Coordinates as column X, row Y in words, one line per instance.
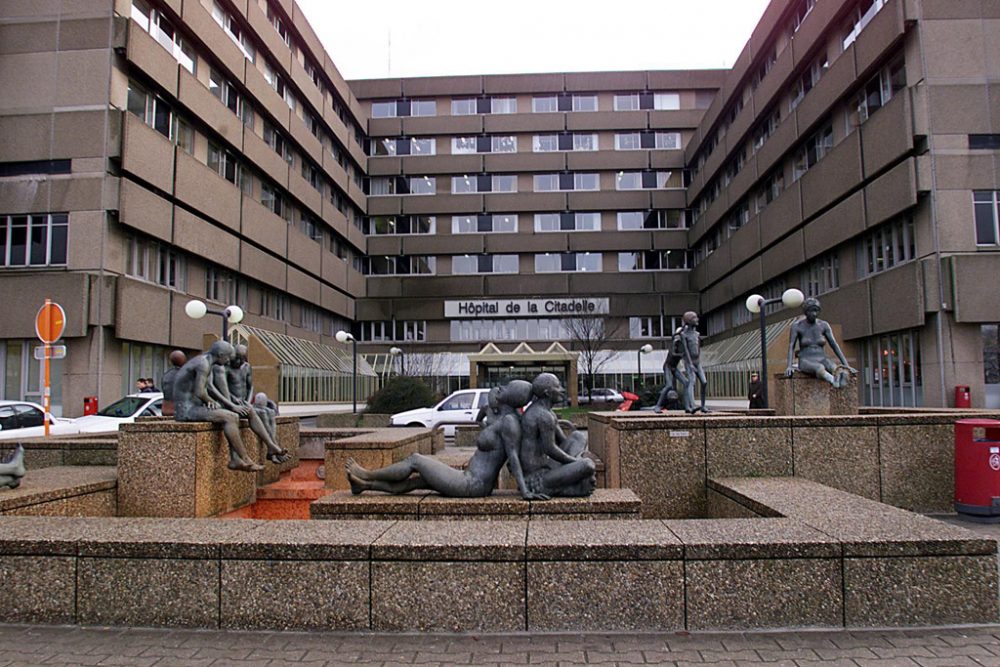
column 452, row 37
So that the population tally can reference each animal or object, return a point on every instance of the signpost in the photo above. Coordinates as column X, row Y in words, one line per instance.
column 49, row 325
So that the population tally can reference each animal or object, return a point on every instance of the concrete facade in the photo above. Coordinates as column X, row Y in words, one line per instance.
column 211, row 149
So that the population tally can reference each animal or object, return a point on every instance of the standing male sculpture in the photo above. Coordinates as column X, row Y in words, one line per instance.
column 672, row 371
column 196, row 400
column 691, row 344
column 234, row 382
column 812, row 333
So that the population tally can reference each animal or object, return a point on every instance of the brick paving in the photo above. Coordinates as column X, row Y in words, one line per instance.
column 977, row 646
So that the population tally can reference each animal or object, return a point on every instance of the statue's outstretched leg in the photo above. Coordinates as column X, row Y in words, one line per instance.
column 275, row 454
column 433, row 474
column 360, row 485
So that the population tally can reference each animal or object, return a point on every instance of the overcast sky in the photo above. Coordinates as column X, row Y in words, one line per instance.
column 401, row 38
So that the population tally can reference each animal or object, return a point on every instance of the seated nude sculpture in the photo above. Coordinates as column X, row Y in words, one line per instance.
column 497, row 443
column 13, row 470
column 811, row 334
column 196, row 400
column 233, row 387
column 553, row 462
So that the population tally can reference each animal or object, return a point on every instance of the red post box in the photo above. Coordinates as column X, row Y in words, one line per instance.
column 90, row 405
column 977, row 468
column 963, row 397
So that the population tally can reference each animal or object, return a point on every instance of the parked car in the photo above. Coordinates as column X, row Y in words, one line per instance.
column 122, row 411
column 23, row 419
column 600, row 395
column 461, row 406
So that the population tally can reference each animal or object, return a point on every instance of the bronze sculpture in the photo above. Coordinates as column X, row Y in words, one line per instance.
column 691, row 347
column 811, row 334
column 196, row 399
column 497, row 443
column 234, row 384
column 543, row 460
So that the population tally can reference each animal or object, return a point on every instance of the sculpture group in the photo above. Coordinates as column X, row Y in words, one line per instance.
column 544, row 459
column 685, row 346
column 217, row 386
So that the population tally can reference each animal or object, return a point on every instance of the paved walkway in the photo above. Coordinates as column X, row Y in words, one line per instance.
column 33, row 645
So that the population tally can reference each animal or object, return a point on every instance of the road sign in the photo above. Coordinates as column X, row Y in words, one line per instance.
column 50, row 322
column 50, row 351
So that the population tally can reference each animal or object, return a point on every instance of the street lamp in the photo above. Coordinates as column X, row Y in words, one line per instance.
column 645, row 349
column 397, row 352
column 343, row 337
column 196, row 310
column 792, row 298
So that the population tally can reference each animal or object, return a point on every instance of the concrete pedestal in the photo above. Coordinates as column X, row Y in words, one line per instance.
column 802, row 395
column 178, row 469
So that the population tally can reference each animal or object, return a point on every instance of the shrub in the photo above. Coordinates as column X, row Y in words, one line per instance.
column 399, row 394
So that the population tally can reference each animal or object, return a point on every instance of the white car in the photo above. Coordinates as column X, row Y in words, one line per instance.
column 461, row 406
column 600, row 395
column 23, row 419
column 122, row 411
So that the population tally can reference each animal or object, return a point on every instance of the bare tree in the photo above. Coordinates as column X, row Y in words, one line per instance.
column 590, row 335
column 430, row 367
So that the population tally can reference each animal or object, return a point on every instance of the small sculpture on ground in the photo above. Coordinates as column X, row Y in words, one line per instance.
column 234, row 384
column 811, row 334
column 497, row 443
column 553, row 462
column 195, row 400
column 12, row 470
column 177, row 359
column 691, row 347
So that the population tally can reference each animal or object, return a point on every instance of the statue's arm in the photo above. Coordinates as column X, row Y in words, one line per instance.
column 511, row 436
column 828, row 334
column 200, row 384
column 792, row 338
column 248, row 392
column 549, row 445
column 218, row 390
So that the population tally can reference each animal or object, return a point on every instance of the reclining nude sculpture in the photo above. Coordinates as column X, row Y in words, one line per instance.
column 543, row 460
column 811, row 334
column 197, row 400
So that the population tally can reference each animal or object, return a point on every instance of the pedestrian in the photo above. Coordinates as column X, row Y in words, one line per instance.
column 140, row 385
column 150, row 386
column 756, row 391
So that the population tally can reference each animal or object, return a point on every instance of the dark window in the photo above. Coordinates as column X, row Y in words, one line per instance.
column 35, row 167
column 986, row 142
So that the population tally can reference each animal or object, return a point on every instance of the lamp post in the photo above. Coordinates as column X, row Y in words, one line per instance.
column 792, row 298
column 196, row 310
column 397, row 352
column 343, row 337
column 645, row 349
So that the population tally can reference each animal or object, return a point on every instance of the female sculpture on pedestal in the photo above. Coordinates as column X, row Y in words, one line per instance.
column 812, row 333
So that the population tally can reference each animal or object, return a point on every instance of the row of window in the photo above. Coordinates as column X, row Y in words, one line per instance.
column 876, row 92
column 508, row 222
column 646, row 260
column 557, row 182
column 155, row 262
column 540, row 143
column 468, row 106
column 392, row 331
column 870, row 97
column 152, row 20
column 463, row 331
column 34, row 240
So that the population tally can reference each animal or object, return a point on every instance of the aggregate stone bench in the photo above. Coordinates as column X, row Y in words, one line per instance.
column 502, row 505
column 63, row 491
column 898, row 568
column 373, row 449
column 98, row 449
column 312, row 441
column 178, row 469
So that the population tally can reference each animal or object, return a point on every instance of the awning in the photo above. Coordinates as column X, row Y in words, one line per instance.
column 741, row 352
column 300, row 353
